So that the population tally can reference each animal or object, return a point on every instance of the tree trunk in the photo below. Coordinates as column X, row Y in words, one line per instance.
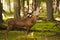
column 38, row 2
column 9, row 6
column 22, row 8
column 1, row 8
column 19, row 7
column 58, row 3
column 49, row 10
column 55, row 6
column 58, row 9
column 28, row 6
column 16, row 9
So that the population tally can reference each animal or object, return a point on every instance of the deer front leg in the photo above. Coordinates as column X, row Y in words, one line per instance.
column 6, row 33
column 28, row 30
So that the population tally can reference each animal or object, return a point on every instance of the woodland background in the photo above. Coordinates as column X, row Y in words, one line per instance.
column 48, row 23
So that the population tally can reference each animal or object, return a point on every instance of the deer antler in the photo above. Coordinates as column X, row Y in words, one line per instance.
column 37, row 12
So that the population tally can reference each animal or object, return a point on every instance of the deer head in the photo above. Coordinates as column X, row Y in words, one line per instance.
column 34, row 13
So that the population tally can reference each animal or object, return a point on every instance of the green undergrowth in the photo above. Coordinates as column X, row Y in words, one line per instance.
column 46, row 25
column 40, row 25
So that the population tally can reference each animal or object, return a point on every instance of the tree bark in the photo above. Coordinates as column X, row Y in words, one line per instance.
column 22, row 8
column 16, row 9
column 49, row 10
column 9, row 6
column 1, row 8
column 58, row 9
column 19, row 7
column 38, row 2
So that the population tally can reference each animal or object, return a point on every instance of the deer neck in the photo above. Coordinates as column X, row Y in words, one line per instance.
column 33, row 18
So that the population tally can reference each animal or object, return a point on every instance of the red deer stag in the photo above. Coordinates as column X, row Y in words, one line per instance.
column 26, row 23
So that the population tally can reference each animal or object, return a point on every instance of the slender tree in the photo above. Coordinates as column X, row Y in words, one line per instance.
column 9, row 6
column 16, row 9
column 58, row 3
column 1, row 8
column 28, row 4
column 38, row 2
column 22, row 8
column 19, row 7
column 49, row 10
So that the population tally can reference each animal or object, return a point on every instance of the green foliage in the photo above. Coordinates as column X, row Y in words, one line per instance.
column 43, row 25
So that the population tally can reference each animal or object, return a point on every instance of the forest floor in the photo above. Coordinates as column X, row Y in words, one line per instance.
column 40, row 25
column 17, row 35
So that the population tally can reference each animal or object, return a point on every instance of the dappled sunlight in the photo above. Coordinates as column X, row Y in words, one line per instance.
column 3, row 16
column 6, row 17
column 5, row 7
column 21, row 14
column 58, row 19
column 31, row 35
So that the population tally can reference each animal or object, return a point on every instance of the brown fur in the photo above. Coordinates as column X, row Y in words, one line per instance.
column 18, row 23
